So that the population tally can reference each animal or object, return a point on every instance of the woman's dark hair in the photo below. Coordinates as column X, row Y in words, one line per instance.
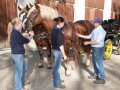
column 58, row 19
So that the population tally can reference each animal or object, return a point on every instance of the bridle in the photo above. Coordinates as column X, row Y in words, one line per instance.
column 27, row 18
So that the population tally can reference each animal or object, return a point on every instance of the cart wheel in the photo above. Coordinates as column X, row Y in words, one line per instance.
column 118, row 48
column 108, row 49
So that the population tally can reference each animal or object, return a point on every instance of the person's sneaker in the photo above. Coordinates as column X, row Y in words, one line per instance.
column 61, row 87
column 25, row 89
column 93, row 77
column 99, row 81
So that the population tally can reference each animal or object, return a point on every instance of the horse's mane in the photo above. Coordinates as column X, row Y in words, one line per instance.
column 45, row 12
column 48, row 12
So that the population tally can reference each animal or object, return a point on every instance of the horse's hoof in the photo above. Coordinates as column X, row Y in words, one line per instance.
column 40, row 66
column 83, row 63
column 67, row 74
column 49, row 67
column 87, row 65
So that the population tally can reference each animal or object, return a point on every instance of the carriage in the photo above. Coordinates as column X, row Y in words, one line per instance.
column 112, row 27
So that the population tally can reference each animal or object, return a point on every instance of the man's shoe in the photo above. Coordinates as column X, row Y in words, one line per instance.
column 99, row 81
column 61, row 87
column 26, row 83
column 93, row 77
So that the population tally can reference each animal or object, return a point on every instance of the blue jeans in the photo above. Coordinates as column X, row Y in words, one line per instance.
column 97, row 57
column 20, row 69
column 56, row 69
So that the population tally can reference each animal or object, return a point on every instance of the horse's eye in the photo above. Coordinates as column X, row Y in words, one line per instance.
column 30, row 24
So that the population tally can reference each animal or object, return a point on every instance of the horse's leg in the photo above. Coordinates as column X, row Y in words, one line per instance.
column 48, row 45
column 41, row 57
column 68, row 66
column 76, row 57
column 40, row 65
column 84, row 58
column 88, row 60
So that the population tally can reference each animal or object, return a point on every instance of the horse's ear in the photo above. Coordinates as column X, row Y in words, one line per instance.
column 36, row 5
column 27, row 8
column 19, row 8
column 31, row 5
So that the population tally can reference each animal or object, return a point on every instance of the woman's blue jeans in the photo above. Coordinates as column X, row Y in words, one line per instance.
column 56, row 69
column 97, row 60
column 20, row 69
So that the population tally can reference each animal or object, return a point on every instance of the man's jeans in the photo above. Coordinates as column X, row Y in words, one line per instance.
column 97, row 57
column 56, row 70
column 20, row 69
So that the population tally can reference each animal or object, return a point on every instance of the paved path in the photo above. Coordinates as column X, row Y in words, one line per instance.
column 41, row 79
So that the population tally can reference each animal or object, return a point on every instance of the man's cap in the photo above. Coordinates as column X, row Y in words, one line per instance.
column 96, row 20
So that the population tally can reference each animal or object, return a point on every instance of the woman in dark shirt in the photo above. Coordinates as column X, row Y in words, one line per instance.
column 57, row 40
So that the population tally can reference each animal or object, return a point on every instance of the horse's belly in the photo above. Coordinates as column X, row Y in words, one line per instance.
column 41, row 42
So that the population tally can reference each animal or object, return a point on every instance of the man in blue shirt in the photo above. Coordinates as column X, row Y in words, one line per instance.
column 97, row 43
column 17, row 40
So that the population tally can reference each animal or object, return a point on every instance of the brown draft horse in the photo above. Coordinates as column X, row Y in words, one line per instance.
column 41, row 33
column 83, row 27
column 45, row 20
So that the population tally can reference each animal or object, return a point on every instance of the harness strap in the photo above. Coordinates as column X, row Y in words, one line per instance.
column 42, row 35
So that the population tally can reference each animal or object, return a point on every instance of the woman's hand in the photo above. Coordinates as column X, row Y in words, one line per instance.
column 31, row 33
column 25, row 34
column 64, row 57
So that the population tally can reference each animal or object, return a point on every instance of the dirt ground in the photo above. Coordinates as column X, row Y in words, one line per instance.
column 41, row 79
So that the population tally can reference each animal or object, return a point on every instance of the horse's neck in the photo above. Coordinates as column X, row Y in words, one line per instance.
column 46, row 16
column 48, row 24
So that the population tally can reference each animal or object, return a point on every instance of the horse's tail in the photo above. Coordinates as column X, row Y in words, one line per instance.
column 9, row 30
column 10, row 26
column 5, row 36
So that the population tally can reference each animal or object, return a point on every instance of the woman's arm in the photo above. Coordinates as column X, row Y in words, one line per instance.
column 28, row 35
column 63, row 52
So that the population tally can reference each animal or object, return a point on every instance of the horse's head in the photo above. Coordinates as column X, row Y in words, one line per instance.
column 30, row 14
column 23, row 12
